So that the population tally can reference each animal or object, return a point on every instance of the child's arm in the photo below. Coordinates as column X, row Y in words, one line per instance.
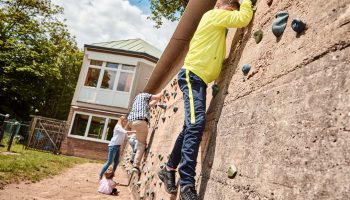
column 234, row 19
column 130, row 132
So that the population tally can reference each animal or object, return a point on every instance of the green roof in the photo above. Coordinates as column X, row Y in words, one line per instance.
column 132, row 45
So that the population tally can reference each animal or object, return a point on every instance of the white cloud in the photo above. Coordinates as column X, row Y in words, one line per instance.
column 92, row 21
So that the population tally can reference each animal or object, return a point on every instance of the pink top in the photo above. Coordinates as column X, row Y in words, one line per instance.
column 106, row 186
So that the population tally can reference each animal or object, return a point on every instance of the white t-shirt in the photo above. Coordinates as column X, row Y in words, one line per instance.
column 119, row 135
column 106, row 186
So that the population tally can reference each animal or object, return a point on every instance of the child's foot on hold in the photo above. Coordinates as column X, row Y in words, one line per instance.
column 168, row 178
column 136, row 169
column 188, row 192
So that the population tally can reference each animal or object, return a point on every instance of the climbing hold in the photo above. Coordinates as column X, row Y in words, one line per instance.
column 258, row 35
column 215, row 90
column 269, row 2
column 163, row 119
column 160, row 183
column 174, row 94
column 232, row 171
column 254, row 2
column 245, row 69
column 298, row 26
column 280, row 22
column 138, row 183
column 175, row 109
column 162, row 106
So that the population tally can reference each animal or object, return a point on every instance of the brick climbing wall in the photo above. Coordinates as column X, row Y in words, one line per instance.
column 285, row 125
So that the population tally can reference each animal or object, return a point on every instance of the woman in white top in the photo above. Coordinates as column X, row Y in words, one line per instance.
column 119, row 136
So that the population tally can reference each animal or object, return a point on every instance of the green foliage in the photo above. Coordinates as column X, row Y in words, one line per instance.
column 39, row 60
column 168, row 9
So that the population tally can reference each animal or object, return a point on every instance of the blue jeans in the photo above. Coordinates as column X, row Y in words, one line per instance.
column 186, row 148
column 113, row 156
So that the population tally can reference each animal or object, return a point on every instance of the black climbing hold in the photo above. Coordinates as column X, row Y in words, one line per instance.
column 162, row 106
column 215, row 90
column 174, row 94
column 253, row 2
column 246, row 69
column 269, row 2
column 175, row 109
column 232, row 171
column 298, row 26
column 258, row 35
column 163, row 119
column 280, row 22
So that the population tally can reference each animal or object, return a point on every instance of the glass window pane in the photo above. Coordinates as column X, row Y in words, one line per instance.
column 92, row 77
column 96, row 62
column 108, row 79
column 112, row 65
column 96, row 127
column 110, row 128
column 128, row 67
column 124, row 82
column 79, row 124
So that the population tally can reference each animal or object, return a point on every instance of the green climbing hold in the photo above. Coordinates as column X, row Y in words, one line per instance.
column 215, row 90
column 232, row 171
column 175, row 109
column 298, row 26
column 258, row 35
column 162, row 106
column 280, row 22
column 245, row 69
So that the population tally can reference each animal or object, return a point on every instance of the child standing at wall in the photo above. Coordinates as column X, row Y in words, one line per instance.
column 202, row 65
column 138, row 120
column 107, row 185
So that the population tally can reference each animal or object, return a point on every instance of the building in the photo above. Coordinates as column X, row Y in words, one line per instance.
column 112, row 74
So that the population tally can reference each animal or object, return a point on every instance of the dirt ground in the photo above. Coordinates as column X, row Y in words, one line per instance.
column 79, row 182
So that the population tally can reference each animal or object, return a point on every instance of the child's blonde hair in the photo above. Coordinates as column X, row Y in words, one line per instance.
column 121, row 119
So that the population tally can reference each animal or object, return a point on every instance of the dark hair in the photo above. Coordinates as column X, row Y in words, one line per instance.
column 233, row 3
column 109, row 174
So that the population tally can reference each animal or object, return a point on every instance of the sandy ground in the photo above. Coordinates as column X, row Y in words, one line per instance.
column 79, row 182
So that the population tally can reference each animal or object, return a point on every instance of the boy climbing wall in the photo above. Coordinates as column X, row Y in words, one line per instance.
column 202, row 65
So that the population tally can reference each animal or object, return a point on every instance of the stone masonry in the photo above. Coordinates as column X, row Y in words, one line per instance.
column 285, row 125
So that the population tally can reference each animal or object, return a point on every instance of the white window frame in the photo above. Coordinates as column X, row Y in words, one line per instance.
column 103, row 68
column 85, row 137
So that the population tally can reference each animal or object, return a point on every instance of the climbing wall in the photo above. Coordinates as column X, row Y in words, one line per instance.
column 280, row 122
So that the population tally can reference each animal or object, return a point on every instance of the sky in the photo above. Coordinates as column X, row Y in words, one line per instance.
column 93, row 21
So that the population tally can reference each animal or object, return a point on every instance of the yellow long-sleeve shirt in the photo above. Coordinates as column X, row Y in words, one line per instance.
column 208, row 47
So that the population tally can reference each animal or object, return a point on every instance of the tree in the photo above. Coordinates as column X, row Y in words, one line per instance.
column 39, row 60
column 168, row 9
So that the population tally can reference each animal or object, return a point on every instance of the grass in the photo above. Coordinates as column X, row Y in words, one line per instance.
column 30, row 165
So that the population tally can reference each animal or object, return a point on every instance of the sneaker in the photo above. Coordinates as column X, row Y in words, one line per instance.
column 168, row 178
column 188, row 192
column 136, row 169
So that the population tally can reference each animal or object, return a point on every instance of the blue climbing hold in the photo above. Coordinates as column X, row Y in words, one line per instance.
column 280, row 23
column 245, row 69
column 298, row 25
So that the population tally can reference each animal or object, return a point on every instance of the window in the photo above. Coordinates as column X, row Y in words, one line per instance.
column 97, row 125
column 96, row 62
column 92, row 77
column 110, row 76
column 110, row 128
column 92, row 127
column 108, row 79
column 125, row 80
column 79, row 124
